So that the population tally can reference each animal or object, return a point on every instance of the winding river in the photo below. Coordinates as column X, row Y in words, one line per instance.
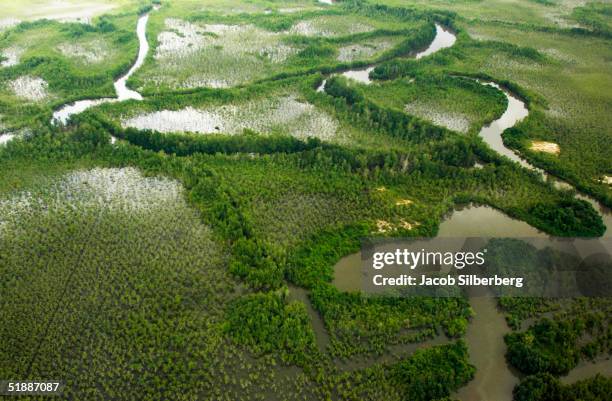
column 515, row 112
column 63, row 114
column 444, row 38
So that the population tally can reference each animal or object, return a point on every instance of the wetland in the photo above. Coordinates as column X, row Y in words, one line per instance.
column 186, row 185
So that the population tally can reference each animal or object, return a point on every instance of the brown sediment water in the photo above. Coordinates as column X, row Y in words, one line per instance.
column 494, row 379
column 321, row 334
column 586, row 369
column 394, row 353
column 468, row 221
column 348, row 273
column 485, row 221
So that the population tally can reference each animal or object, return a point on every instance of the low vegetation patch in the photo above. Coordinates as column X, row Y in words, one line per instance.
column 29, row 88
column 284, row 114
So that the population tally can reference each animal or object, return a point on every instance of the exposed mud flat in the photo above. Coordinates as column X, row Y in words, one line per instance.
column 384, row 226
column 5, row 138
column 7, row 23
column 403, row 202
column 67, row 11
column 453, row 121
column 325, row 26
column 29, row 88
column 546, row 147
column 90, row 53
column 12, row 56
column 365, row 50
column 286, row 114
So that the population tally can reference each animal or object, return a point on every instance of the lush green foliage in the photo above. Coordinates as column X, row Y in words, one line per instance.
column 434, row 373
column 264, row 323
column 556, row 346
column 545, row 387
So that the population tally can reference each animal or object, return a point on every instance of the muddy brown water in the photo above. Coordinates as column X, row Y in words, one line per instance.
column 317, row 324
column 586, row 369
column 494, row 378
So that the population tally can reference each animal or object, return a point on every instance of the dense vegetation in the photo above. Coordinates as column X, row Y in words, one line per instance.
column 545, row 387
column 556, row 346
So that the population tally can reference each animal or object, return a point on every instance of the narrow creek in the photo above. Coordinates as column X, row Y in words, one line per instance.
column 321, row 335
column 516, row 112
column 585, row 370
column 444, row 38
column 63, row 114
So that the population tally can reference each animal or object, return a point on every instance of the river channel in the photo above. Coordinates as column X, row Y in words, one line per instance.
column 63, row 114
